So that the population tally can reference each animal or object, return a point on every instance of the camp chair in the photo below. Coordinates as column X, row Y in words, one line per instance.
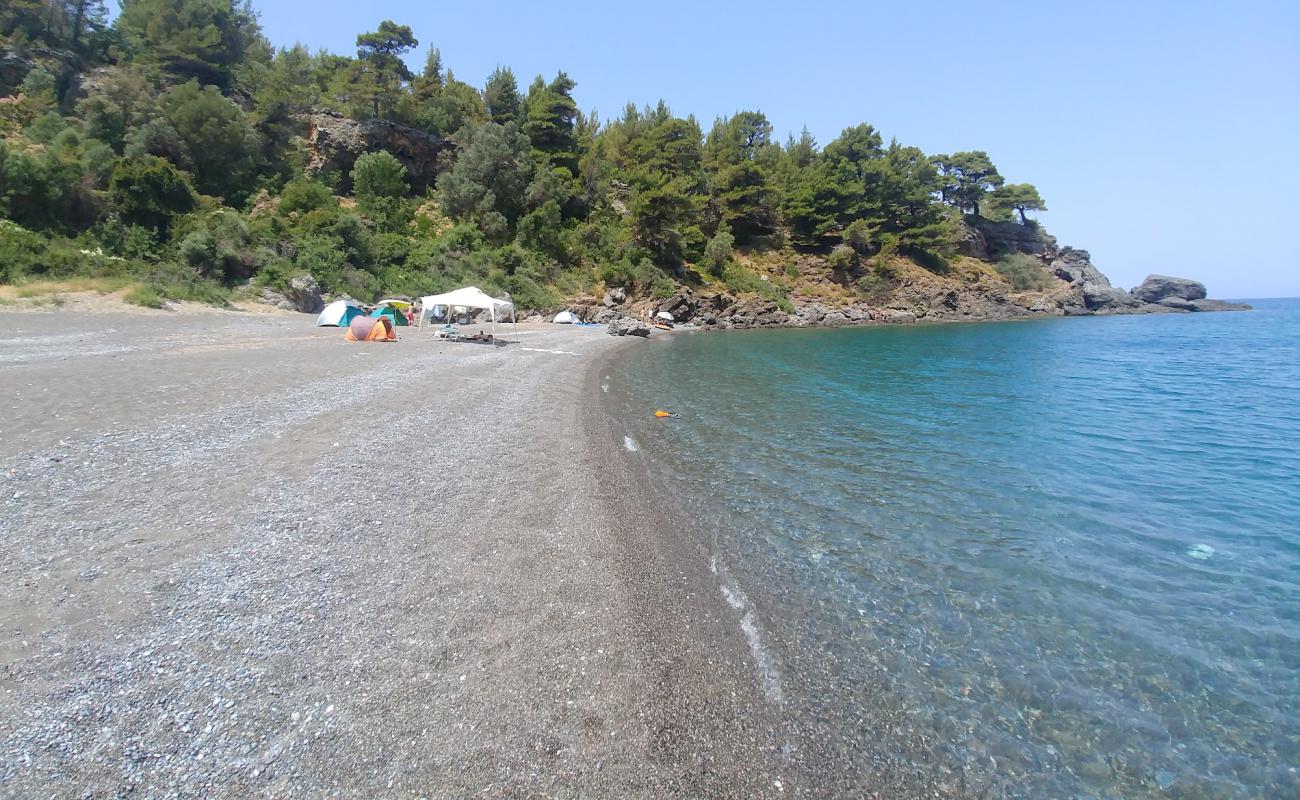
column 447, row 331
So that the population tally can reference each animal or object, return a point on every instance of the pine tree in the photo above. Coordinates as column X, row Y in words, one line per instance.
column 381, row 71
column 501, row 96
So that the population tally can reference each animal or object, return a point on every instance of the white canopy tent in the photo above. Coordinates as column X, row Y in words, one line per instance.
column 468, row 297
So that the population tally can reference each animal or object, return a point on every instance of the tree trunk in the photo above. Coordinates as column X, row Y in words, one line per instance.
column 77, row 21
column 1022, row 216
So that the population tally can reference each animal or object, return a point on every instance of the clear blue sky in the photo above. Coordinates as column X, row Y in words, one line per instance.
column 1164, row 136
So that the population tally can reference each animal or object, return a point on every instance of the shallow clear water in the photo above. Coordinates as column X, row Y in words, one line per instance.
column 1067, row 551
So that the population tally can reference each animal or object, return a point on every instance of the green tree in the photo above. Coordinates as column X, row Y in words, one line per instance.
column 26, row 192
column 122, row 101
column 426, row 86
column 1019, row 197
column 303, row 195
column 501, row 96
column 970, row 175
column 718, row 252
column 740, row 154
column 489, row 177
column 551, row 119
column 200, row 39
column 221, row 248
column 149, row 191
column 455, row 105
column 664, row 215
column 215, row 140
column 381, row 71
column 379, row 174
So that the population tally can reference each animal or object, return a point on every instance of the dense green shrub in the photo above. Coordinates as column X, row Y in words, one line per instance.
column 220, row 248
column 843, row 259
column 301, row 196
column 718, row 251
column 379, row 175
column 1024, row 272
column 149, row 191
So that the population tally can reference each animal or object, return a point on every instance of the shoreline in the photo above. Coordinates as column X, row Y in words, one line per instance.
column 197, row 525
column 716, row 719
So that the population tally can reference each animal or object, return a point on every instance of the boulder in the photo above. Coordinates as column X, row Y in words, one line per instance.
column 754, row 312
column 1176, row 303
column 1218, row 305
column 628, row 326
column 615, row 297
column 1098, row 297
column 1075, row 267
column 274, row 298
column 1158, row 287
column 605, row 316
column 681, row 305
column 305, row 292
column 335, row 143
column 811, row 314
column 899, row 316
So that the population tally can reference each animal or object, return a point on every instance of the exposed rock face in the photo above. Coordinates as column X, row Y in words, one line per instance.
column 680, row 305
column 1004, row 238
column 1075, row 267
column 336, row 142
column 305, row 292
column 1098, row 297
column 1158, row 287
column 605, row 316
column 1219, row 305
column 899, row 316
column 615, row 297
column 628, row 326
column 64, row 65
column 1176, row 303
column 274, row 298
column 753, row 312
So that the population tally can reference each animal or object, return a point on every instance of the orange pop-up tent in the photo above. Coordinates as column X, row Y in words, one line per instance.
column 371, row 329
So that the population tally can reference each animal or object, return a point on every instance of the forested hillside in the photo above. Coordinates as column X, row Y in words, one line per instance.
column 177, row 150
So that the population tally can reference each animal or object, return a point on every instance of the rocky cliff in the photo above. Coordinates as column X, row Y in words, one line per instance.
column 968, row 288
column 335, row 142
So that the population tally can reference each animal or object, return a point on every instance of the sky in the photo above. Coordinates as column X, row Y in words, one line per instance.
column 1163, row 136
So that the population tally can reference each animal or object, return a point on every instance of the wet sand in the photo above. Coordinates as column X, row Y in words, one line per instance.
column 242, row 556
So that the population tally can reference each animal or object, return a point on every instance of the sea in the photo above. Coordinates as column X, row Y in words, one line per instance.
column 1051, row 558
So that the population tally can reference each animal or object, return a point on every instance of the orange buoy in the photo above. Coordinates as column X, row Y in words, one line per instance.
column 662, row 414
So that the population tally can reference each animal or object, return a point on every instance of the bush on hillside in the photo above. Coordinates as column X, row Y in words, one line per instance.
column 1024, row 272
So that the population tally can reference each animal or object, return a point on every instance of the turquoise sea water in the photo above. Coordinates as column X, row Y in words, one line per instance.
column 1063, row 554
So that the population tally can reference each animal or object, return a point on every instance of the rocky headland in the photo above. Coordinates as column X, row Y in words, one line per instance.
column 968, row 288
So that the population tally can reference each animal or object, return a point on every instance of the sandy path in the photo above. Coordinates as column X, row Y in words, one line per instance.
column 241, row 556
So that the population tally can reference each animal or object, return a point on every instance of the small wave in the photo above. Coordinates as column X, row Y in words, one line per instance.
column 763, row 660
column 630, row 444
